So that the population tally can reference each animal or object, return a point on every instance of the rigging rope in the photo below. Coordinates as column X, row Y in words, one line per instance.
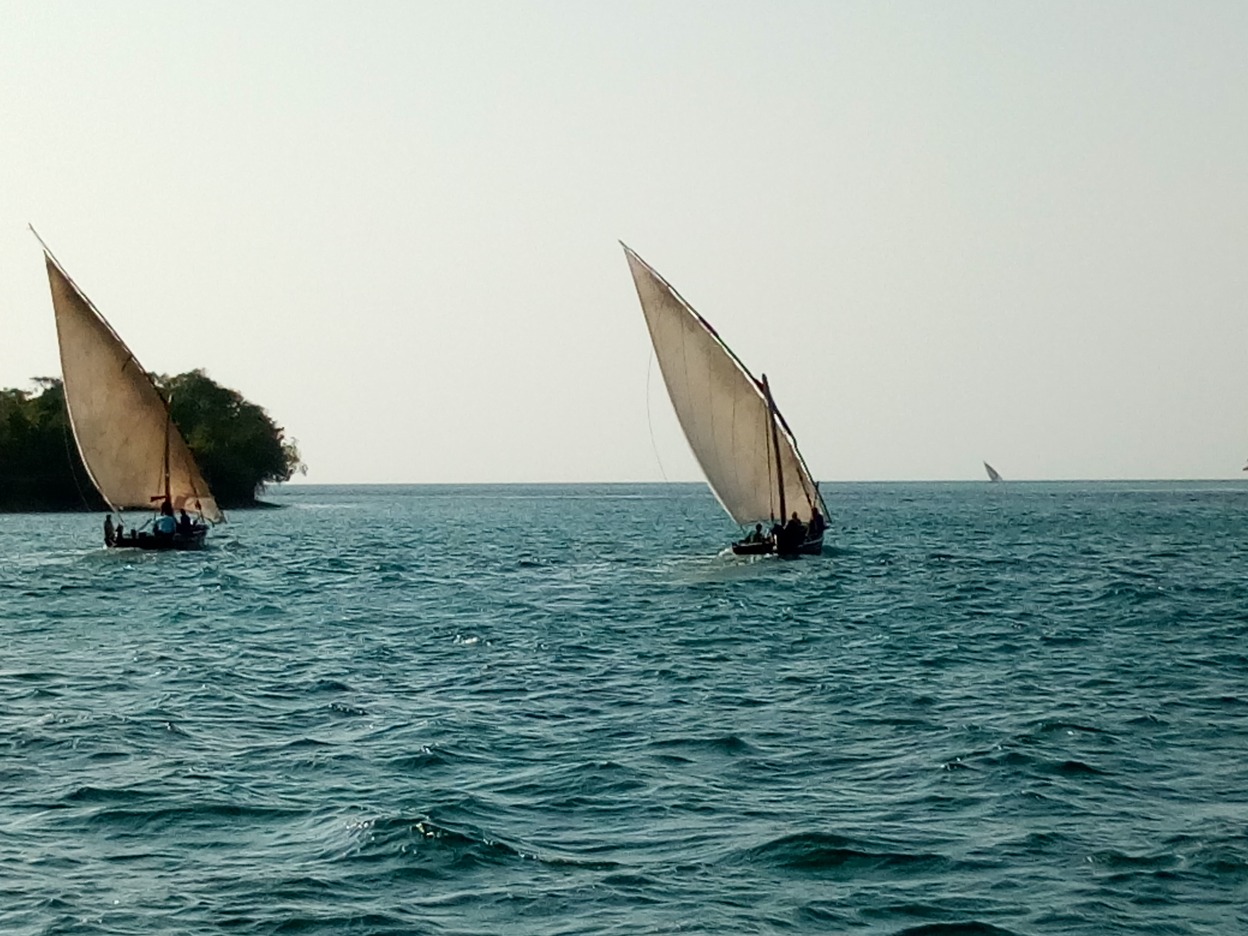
column 649, row 421
column 69, row 457
column 684, row 507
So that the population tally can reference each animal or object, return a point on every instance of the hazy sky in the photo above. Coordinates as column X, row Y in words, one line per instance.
column 946, row 231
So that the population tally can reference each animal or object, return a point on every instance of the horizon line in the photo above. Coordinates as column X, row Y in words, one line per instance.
column 984, row 481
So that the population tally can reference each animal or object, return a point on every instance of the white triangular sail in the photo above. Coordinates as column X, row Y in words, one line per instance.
column 723, row 410
column 120, row 421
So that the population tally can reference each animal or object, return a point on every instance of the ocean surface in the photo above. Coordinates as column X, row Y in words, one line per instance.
column 987, row 709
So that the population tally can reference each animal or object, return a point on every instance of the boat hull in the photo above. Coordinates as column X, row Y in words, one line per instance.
column 179, row 542
column 808, row 547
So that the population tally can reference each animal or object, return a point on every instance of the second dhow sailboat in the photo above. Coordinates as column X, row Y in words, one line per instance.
column 133, row 452
column 745, row 448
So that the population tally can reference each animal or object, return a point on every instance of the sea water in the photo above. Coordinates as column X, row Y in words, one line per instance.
column 1015, row 708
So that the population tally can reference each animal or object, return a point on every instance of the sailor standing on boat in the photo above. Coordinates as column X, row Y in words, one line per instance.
column 817, row 523
column 792, row 535
column 109, row 534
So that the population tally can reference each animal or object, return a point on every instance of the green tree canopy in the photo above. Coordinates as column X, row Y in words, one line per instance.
column 238, row 447
column 39, row 464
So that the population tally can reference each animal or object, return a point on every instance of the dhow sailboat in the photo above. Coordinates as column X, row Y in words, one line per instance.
column 743, row 445
column 132, row 451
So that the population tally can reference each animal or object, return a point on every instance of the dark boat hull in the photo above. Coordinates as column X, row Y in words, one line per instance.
column 808, row 547
column 178, row 541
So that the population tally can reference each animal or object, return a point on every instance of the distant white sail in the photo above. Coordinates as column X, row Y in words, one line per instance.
column 120, row 422
column 723, row 410
column 992, row 472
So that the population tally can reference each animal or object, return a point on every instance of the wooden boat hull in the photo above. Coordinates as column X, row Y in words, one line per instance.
column 744, row 548
column 178, row 541
column 808, row 547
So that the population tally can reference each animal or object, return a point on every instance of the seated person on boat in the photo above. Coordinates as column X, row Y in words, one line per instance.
column 165, row 525
column 755, row 543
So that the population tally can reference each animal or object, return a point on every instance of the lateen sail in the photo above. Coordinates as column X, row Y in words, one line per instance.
column 722, row 409
column 120, row 422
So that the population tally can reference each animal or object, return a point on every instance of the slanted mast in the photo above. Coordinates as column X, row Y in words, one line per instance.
column 739, row 438
column 129, row 445
column 775, row 444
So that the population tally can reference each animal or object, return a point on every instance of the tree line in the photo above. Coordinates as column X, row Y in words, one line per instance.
column 237, row 445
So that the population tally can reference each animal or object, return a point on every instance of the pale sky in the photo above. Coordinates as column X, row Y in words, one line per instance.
column 946, row 231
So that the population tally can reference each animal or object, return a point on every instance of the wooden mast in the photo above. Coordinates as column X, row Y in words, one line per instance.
column 168, row 422
column 775, row 444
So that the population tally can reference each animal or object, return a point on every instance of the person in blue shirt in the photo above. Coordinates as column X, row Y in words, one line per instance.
column 165, row 525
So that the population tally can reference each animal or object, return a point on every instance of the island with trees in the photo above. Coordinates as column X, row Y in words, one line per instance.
column 237, row 445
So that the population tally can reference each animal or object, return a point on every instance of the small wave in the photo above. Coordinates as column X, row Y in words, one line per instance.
column 825, row 916
column 1053, row 726
column 207, row 815
column 93, row 794
column 966, row 928
column 330, row 685
column 304, row 743
column 1024, row 762
column 1131, row 593
column 436, row 848
column 1124, row 861
column 423, row 759
column 362, row 922
column 1226, row 864
column 816, row 851
column 632, row 881
column 1075, row 768
column 727, row 744
column 38, row 676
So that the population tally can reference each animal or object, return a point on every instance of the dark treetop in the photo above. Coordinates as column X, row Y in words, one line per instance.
column 236, row 444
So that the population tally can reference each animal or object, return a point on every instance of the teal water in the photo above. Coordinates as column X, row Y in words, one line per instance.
column 1016, row 708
